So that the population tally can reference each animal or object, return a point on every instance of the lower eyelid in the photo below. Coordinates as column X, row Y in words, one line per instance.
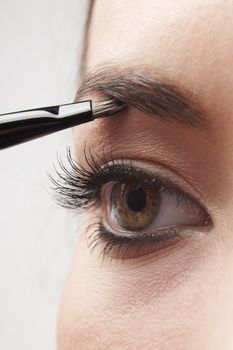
column 163, row 234
column 101, row 242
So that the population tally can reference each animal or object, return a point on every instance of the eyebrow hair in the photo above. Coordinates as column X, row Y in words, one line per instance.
column 154, row 95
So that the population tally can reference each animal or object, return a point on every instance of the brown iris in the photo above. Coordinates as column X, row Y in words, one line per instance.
column 134, row 206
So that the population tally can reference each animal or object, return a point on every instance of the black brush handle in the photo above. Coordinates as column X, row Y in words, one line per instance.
column 19, row 130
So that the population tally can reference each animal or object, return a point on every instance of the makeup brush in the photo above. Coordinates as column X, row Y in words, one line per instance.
column 27, row 125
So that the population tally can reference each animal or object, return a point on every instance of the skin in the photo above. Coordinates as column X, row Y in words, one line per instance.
column 179, row 296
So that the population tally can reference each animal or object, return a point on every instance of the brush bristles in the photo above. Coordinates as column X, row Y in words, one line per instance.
column 106, row 106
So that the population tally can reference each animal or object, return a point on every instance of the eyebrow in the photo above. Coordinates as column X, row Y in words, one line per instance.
column 154, row 95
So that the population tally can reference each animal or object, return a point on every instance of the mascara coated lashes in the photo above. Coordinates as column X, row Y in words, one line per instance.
column 80, row 188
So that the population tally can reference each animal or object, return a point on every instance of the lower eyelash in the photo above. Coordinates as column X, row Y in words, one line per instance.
column 119, row 246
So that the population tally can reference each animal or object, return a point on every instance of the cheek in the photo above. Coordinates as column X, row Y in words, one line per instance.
column 175, row 301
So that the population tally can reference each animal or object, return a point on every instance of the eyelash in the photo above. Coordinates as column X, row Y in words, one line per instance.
column 80, row 189
column 122, row 246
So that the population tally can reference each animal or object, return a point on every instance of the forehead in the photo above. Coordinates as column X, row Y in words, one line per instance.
column 158, row 29
column 189, row 41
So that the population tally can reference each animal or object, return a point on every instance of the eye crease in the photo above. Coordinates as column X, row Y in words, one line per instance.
column 139, row 210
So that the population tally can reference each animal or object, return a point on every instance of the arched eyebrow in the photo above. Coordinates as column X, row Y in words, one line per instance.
column 155, row 96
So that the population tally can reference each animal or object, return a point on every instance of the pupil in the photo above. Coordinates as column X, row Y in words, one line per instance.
column 136, row 199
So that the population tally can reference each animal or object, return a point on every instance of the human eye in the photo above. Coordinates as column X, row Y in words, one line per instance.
column 140, row 208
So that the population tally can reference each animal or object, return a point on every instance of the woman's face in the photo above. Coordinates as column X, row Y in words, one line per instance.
column 176, row 292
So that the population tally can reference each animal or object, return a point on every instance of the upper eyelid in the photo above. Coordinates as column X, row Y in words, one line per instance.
column 185, row 179
column 172, row 177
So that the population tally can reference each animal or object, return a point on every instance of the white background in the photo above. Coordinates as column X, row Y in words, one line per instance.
column 40, row 44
